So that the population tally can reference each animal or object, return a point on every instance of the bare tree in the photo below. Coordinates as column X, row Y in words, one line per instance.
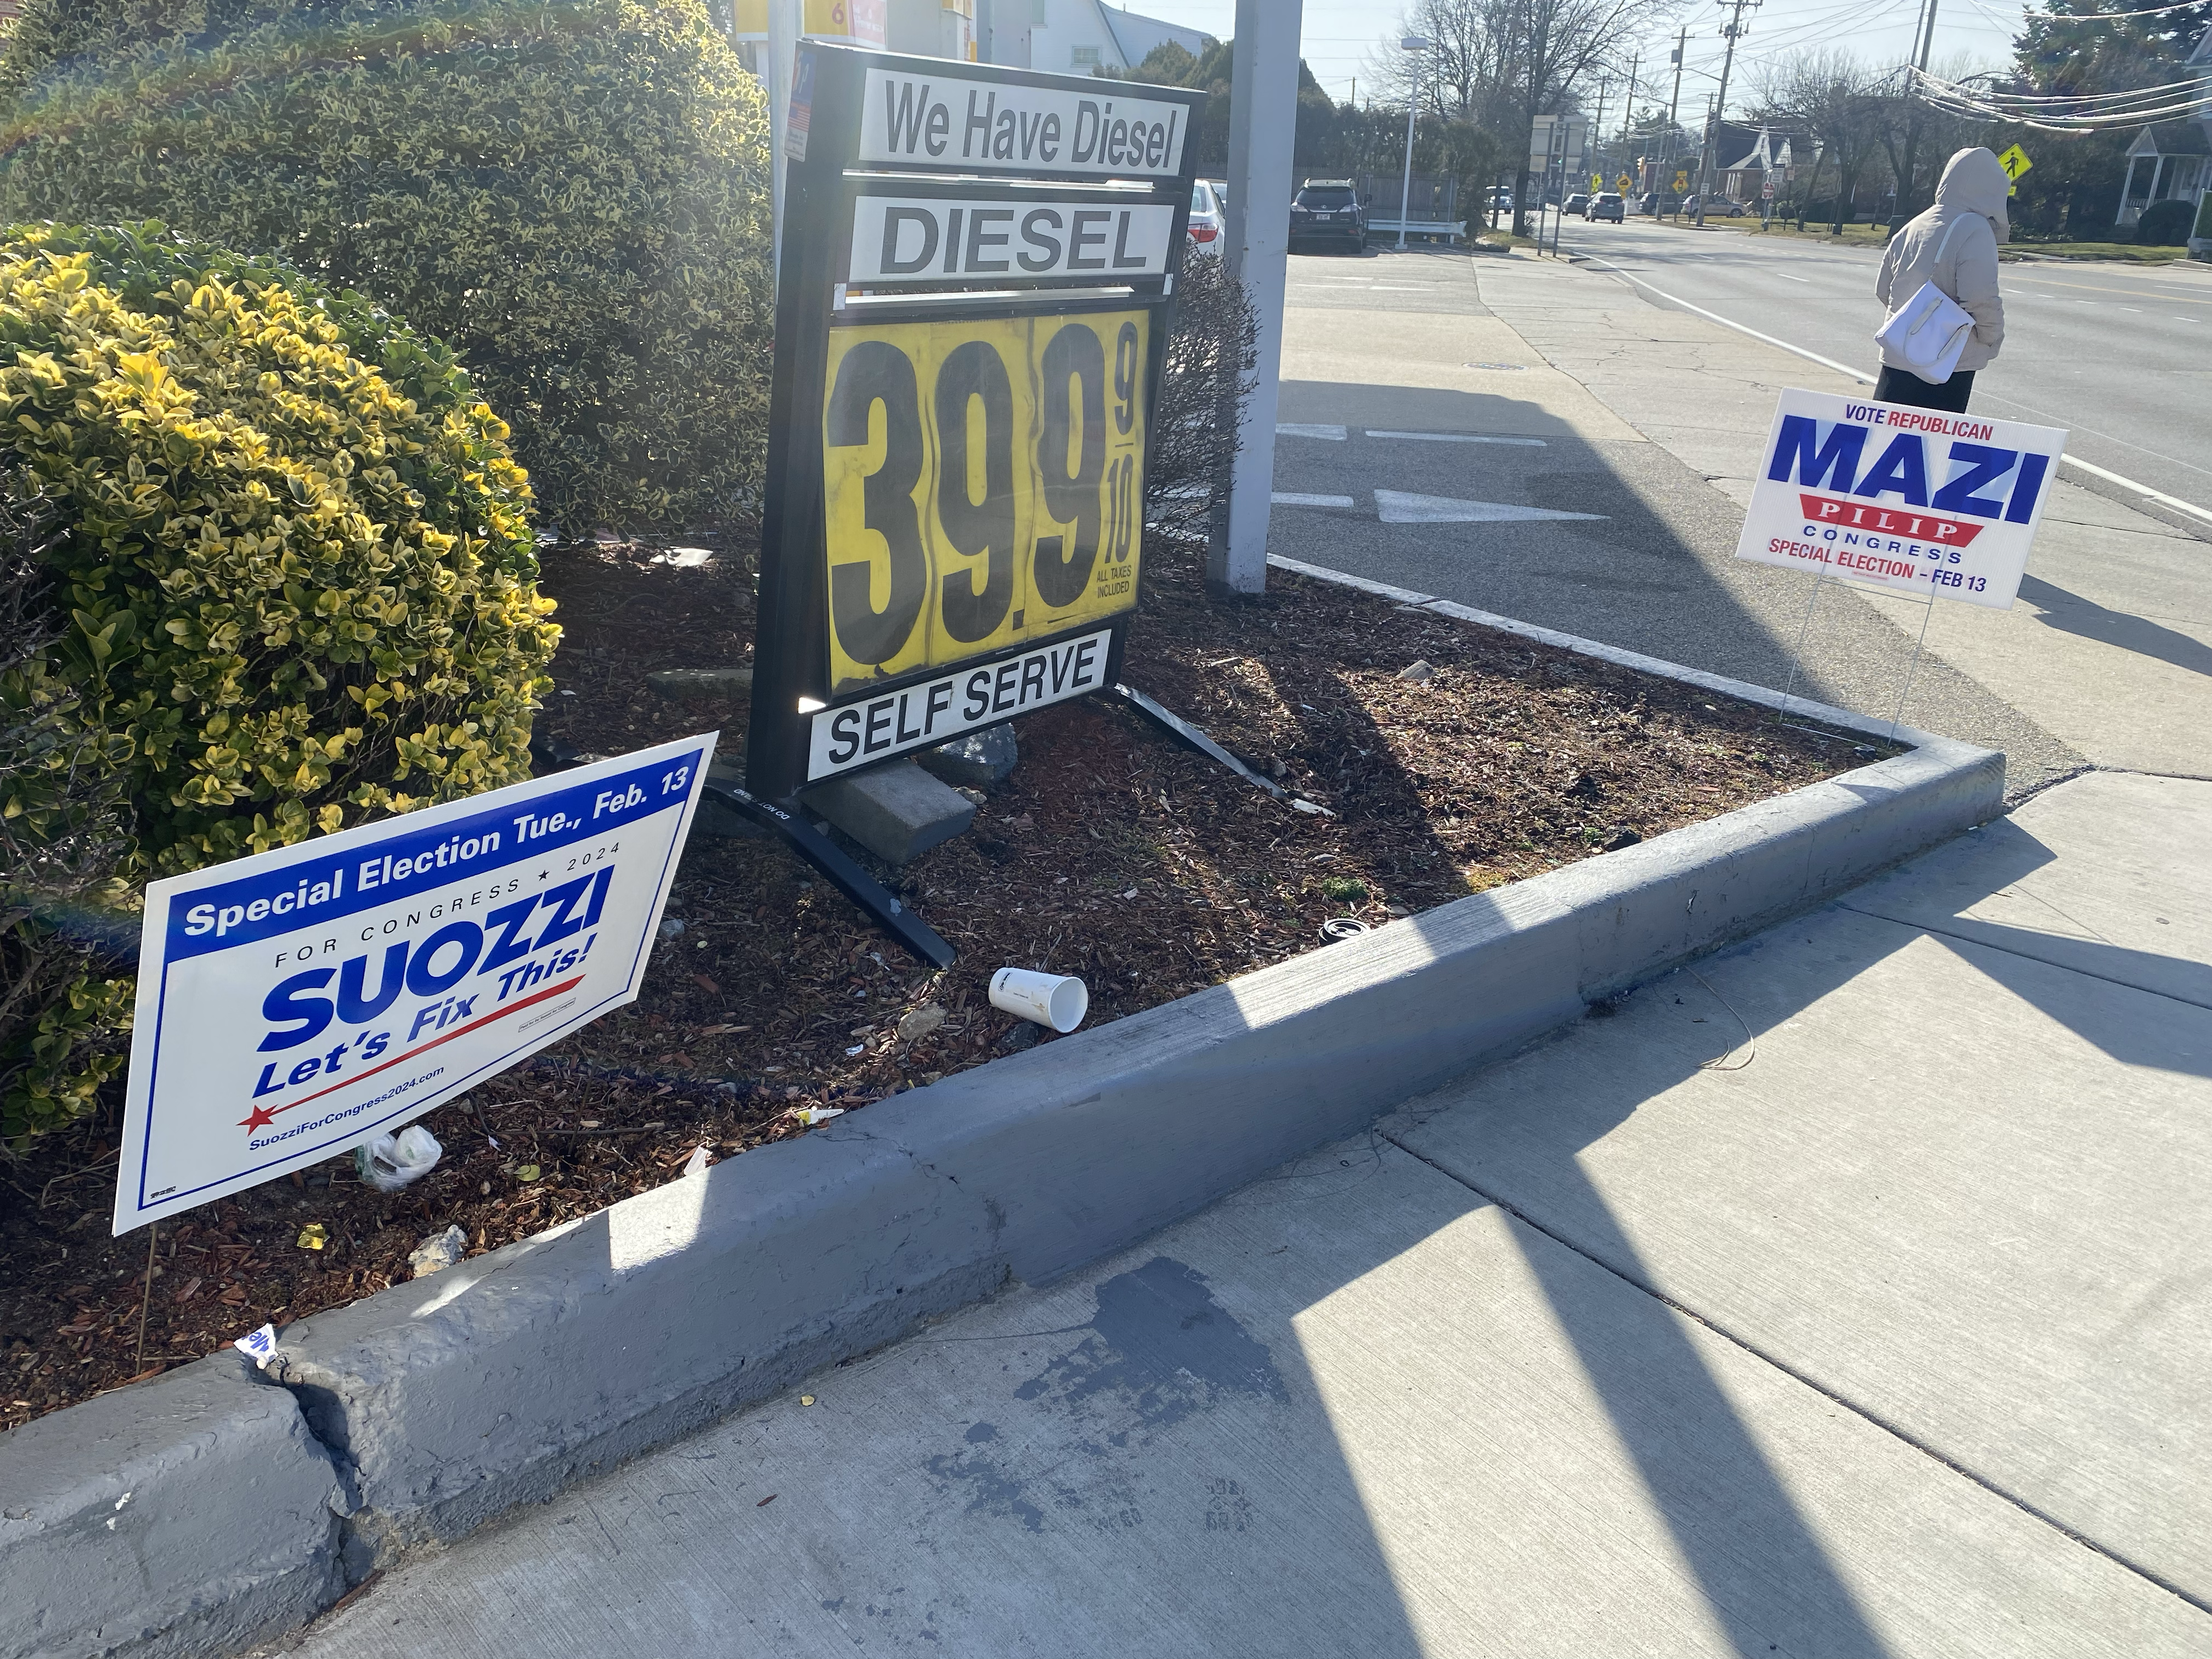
column 1500, row 63
column 1836, row 99
column 1464, row 75
column 1554, row 45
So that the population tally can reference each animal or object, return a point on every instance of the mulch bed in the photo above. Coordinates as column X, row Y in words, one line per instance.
column 1111, row 853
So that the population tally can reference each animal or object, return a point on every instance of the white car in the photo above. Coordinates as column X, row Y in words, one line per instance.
column 1209, row 217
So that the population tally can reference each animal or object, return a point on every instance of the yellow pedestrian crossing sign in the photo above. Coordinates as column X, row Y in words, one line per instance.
column 1598, row 181
column 2015, row 161
column 1682, row 183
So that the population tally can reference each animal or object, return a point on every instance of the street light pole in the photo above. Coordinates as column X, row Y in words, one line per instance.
column 1415, row 44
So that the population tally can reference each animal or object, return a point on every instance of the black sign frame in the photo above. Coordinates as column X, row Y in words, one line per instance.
column 825, row 179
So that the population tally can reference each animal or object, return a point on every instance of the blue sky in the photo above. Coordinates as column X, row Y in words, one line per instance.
column 1342, row 36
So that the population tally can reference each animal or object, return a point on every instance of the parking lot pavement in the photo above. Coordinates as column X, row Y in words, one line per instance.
column 1426, row 442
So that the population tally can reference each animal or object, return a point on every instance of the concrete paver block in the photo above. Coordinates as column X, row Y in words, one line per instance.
column 896, row 812
column 978, row 760
column 702, row 682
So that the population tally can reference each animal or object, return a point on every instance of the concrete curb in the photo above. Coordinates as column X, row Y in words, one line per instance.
column 441, row 1403
column 190, row 1515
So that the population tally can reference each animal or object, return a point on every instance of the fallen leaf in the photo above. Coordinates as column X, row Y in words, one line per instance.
column 701, row 979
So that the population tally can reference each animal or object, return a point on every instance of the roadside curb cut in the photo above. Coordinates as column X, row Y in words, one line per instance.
column 419, row 1412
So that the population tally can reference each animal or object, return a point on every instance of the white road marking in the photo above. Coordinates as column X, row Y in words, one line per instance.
column 1457, row 438
column 1864, row 378
column 1394, row 507
column 1289, row 498
column 1787, row 278
column 1304, row 430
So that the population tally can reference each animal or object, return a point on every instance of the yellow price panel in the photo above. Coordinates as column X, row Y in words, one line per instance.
column 981, row 484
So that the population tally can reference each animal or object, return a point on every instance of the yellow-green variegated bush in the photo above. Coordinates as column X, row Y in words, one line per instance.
column 573, row 194
column 290, row 570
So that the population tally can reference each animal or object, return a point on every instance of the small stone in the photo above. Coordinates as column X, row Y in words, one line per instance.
column 978, row 760
column 922, row 1022
column 438, row 1252
column 1623, row 838
column 719, row 684
column 1418, row 672
column 1023, row 1036
column 672, row 927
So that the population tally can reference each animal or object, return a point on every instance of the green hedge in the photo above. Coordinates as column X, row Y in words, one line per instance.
column 2165, row 224
column 290, row 584
column 572, row 195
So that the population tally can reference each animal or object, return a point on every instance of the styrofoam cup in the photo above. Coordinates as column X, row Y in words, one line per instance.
column 1053, row 999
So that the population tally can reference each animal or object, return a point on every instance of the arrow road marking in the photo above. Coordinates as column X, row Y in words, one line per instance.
column 1457, row 438
column 1393, row 506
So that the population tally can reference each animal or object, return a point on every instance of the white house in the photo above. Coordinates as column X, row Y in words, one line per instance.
column 1073, row 37
column 2180, row 157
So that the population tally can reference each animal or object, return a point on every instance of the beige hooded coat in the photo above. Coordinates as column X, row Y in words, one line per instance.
column 1974, row 190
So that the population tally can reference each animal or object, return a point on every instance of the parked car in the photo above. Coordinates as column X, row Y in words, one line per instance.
column 1209, row 217
column 1720, row 207
column 1328, row 209
column 1577, row 202
column 1605, row 205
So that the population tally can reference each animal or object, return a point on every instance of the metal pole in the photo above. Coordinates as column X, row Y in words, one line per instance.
column 1412, row 109
column 784, row 23
column 1913, row 672
column 1673, row 111
column 1262, row 127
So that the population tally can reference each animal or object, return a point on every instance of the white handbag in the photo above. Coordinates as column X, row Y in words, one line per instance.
column 1930, row 329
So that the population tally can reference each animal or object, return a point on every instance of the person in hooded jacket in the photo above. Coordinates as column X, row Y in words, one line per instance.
column 1953, row 244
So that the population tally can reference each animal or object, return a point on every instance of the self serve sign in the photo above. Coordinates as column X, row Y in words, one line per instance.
column 1918, row 501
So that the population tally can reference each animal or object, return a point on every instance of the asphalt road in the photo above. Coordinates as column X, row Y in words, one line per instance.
column 2120, row 355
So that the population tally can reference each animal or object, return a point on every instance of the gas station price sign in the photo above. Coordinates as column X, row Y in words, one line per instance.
column 978, row 267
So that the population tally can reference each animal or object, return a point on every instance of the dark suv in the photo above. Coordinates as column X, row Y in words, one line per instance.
column 1328, row 209
column 1605, row 205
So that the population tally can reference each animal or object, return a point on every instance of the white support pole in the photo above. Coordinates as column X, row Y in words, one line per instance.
column 785, row 18
column 1262, row 128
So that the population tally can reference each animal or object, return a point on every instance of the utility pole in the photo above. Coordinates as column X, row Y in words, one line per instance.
column 1673, row 105
column 1597, row 133
column 1925, row 29
column 1733, row 29
column 1628, row 122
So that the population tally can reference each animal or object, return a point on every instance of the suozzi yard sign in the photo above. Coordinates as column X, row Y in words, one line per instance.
column 977, row 270
column 294, row 1003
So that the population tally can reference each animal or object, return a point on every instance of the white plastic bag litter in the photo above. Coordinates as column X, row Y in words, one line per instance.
column 391, row 1162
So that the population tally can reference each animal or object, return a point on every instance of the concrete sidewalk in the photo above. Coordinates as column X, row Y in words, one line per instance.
column 1882, row 1330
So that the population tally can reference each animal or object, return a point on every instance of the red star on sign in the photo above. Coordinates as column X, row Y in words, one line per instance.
column 261, row 1118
